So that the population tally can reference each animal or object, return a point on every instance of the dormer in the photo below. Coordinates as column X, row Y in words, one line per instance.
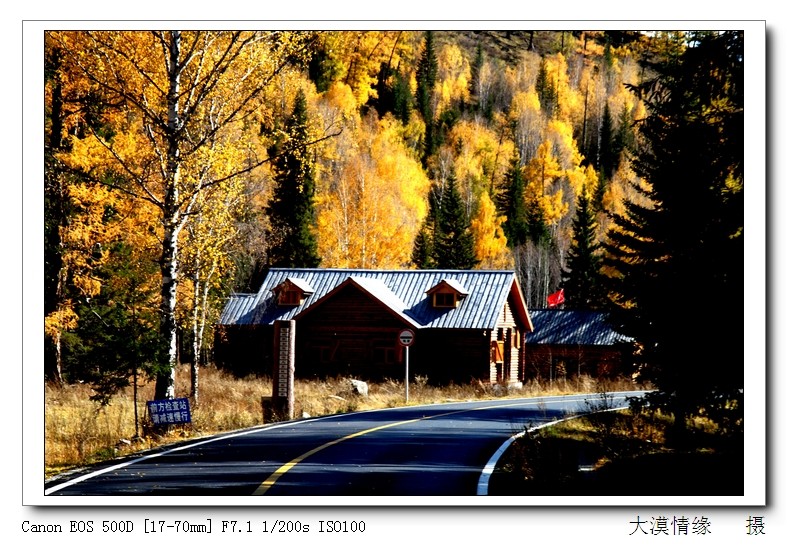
column 447, row 294
column 292, row 292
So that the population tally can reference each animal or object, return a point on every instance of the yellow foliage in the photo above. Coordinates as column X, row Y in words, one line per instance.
column 372, row 200
column 343, row 102
column 583, row 180
column 559, row 133
column 60, row 320
column 569, row 99
column 526, row 116
column 355, row 58
column 620, row 189
column 413, row 134
column 541, row 174
column 554, row 206
column 490, row 241
column 543, row 169
column 86, row 237
column 480, row 157
column 524, row 102
column 454, row 75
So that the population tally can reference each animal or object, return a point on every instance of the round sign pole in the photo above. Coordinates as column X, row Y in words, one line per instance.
column 406, row 340
column 407, row 365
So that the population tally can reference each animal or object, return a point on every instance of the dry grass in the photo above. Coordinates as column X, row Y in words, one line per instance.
column 601, row 454
column 79, row 431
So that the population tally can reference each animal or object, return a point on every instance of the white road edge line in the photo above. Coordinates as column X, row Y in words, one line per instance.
column 484, row 480
column 173, row 450
column 483, row 486
column 216, row 438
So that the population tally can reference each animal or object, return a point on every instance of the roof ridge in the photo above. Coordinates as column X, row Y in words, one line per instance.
column 414, row 271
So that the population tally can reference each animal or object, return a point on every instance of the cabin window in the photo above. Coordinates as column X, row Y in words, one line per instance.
column 290, row 297
column 447, row 294
column 444, row 299
column 292, row 292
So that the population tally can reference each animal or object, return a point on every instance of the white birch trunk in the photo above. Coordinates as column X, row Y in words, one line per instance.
column 165, row 379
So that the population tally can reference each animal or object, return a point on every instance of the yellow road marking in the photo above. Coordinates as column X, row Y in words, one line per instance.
column 263, row 488
column 271, row 480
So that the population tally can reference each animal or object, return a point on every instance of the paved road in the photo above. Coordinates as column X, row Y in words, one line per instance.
column 440, row 449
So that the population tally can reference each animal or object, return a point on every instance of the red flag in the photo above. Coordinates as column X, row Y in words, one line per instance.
column 556, row 298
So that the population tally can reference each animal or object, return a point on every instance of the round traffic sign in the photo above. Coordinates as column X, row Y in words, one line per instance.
column 406, row 338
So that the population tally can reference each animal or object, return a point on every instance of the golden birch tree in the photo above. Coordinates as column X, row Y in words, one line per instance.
column 174, row 96
column 372, row 197
column 489, row 239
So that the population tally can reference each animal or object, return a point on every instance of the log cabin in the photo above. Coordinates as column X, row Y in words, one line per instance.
column 468, row 324
column 566, row 343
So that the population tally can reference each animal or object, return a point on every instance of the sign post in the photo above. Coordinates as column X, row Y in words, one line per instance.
column 406, row 340
column 283, row 399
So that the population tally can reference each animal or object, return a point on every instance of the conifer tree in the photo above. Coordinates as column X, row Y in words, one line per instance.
column 609, row 152
column 291, row 211
column 476, row 70
column 545, row 89
column 422, row 249
column 402, row 98
column 624, row 139
column 453, row 240
column 513, row 204
column 393, row 94
column 679, row 260
column 445, row 240
column 423, row 255
column 582, row 277
column 426, row 76
column 114, row 344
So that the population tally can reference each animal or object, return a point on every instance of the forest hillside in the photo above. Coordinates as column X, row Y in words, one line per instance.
column 181, row 165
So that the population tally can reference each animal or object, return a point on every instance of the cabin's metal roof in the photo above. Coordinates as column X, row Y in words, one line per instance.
column 404, row 291
column 238, row 306
column 570, row 327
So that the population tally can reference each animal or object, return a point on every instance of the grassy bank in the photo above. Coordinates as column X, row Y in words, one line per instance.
column 621, row 453
column 79, row 431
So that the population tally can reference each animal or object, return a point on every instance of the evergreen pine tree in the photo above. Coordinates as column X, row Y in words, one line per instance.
column 609, row 152
column 624, row 140
column 582, row 277
column 291, row 212
column 453, row 240
column 114, row 343
column 422, row 249
column 538, row 230
column 476, row 68
column 384, row 101
column 607, row 56
column 394, row 94
column 513, row 204
column 679, row 261
column 545, row 89
column 402, row 97
column 423, row 255
column 426, row 76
